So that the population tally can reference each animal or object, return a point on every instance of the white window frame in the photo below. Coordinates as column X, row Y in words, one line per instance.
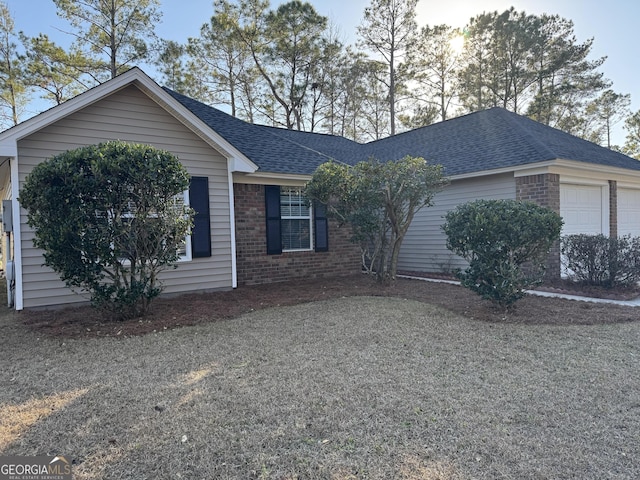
column 187, row 255
column 308, row 217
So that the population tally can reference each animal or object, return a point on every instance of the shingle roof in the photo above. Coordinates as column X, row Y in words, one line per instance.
column 494, row 139
column 271, row 152
column 336, row 147
column 477, row 142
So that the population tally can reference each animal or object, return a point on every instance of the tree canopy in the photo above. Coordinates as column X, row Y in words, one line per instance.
column 117, row 33
column 378, row 200
column 288, row 65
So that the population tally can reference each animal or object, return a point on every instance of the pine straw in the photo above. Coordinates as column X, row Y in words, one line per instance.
column 194, row 309
column 346, row 388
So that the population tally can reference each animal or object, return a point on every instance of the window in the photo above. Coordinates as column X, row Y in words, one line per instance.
column 198, row 243
column 295, row 217
column 185, row 249
column 146, row 233
column 291, row 223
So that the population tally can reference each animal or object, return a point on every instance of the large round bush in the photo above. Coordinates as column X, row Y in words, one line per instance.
column 109, row 218
column 499, row 238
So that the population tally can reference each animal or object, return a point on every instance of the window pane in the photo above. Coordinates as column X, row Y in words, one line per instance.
column 296, row 234
column 296, row 219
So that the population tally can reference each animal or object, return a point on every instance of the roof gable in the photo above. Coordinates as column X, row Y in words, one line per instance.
column 136, row 77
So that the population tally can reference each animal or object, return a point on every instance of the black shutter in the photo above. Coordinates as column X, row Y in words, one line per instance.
column 201, row 231
column 272, row 207
column 321, row 227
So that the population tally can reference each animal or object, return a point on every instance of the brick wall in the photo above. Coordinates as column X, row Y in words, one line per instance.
column 255, row 266
column 543, row 189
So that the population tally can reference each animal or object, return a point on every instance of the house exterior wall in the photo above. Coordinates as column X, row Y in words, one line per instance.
column 130, row 115
column 543, row 189
column 424, row 248
column 255, row 266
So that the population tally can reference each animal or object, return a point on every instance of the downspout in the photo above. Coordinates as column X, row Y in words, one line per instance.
column 17, row 233
column 9, row 270
column 232, row 223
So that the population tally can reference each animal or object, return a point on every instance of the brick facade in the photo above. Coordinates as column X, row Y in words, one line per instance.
column 543, row 189
column 254, row 266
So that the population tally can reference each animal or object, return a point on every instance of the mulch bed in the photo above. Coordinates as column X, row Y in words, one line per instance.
column 193, row 309
column 562, row 286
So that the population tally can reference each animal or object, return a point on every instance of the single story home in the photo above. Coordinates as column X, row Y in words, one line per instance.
column 252, row 223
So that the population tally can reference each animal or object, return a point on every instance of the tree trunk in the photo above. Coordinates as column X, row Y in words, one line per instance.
column 392, row 93
column 112, row 46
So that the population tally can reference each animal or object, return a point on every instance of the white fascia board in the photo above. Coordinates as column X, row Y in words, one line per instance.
column 240, row 163
column 267, row 178
column 563, row 167
column 481, row 173
column 8, row 148
column 573, row 168
column 517, row 170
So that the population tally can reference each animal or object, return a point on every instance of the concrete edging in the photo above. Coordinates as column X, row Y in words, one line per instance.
column 626, row 303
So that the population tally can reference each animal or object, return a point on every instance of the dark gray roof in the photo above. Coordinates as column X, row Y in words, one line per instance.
column 494, row 139
column 271, row 152
column 335, row 147
column 480, row 141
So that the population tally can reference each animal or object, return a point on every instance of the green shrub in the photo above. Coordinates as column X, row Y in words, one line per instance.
column 602, row 261
column 109, row 218
column 506, row 243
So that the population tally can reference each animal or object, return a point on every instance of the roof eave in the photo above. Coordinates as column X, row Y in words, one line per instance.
column 266, row 178
column 559, row 166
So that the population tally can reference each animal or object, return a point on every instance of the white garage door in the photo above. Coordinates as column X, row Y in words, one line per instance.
column 628, row 212
column 581, row 209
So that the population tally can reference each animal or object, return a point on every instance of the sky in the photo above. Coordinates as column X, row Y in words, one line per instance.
column 613, row 24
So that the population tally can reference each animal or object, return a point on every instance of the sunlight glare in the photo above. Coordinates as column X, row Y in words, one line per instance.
column 457, row 44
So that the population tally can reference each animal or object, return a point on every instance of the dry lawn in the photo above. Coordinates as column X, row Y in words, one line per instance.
column 345, row 388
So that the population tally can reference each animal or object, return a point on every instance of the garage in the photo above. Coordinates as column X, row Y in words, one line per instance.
column 582, row 209
column 629, row 212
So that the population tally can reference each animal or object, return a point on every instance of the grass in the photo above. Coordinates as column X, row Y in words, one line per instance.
column 348, row 388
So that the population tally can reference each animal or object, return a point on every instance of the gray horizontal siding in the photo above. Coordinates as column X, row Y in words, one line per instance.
column 424, row 248
column 129, row 115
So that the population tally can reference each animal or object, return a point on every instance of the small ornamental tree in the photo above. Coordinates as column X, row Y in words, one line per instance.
column 109, row 218
column 506, row 243
column 378, row 200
